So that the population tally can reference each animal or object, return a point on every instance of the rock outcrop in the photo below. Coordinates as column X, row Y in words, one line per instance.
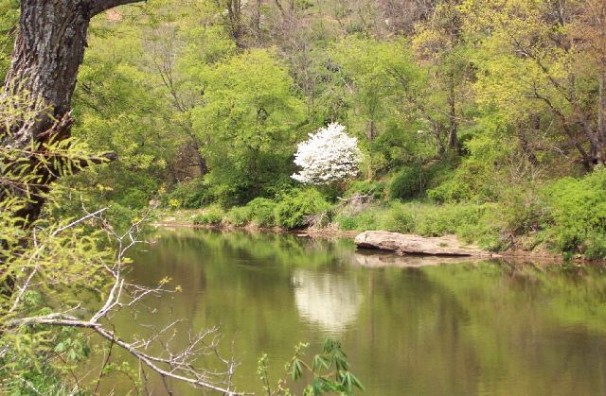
column 404, row 244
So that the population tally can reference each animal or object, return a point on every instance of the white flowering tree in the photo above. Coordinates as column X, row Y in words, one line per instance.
column 328, row 156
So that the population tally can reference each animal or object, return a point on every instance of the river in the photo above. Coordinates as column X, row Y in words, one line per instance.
column 472, row 328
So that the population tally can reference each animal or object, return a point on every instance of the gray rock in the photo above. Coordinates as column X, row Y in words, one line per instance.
column 414, row 244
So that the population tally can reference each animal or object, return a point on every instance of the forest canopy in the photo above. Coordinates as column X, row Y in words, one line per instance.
column 452, row 102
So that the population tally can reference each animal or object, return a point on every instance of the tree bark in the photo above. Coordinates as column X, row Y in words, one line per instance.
column 46, row 57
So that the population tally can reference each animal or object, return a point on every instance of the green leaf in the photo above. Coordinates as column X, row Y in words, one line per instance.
column 60, row 347
column 318, row 363
column 296, row 369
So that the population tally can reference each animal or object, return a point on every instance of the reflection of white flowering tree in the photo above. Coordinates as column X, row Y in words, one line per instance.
column 331, row 301
column 328, row 156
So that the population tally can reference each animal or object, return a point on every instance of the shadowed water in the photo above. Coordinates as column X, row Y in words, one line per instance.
column 474, row 328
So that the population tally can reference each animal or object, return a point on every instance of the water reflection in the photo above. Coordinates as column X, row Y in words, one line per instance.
column 376, row 259
column 481, row 328
column 328, row 300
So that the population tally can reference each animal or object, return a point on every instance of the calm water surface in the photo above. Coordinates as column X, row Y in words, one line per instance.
column 483, row 328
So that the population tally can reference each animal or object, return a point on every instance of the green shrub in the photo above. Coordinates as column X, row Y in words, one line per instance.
column 120, row 217
column 472, row 181
column 487, row 234
column 472, row 223
column 346, row 222
column 262, row 212
column 522, row 211
column 438, row 172
column 188, row 195
column 448, row 219
column 239, row 216
column 369, row 219
column 577, row 213
column 399, row 218
column 296, row 209
column 449, row 191
column 212, row 215
column 134, row 199
column 595, row 248
column 371, row 188
column 407, row 183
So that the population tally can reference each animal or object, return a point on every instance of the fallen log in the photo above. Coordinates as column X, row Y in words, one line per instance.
column 409, row 244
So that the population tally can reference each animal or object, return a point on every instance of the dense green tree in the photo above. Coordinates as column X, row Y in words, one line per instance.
column 120, row 109
column 541, row 75
column 381, row 86
column 44, row 66
column 442, row 52
column 248, row 124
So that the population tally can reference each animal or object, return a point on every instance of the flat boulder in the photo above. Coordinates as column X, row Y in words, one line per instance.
column 403, row 244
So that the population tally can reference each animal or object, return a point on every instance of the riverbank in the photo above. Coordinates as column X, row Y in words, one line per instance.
column 185, row 218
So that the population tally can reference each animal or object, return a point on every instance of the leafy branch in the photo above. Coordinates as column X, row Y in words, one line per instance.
column 329, row 371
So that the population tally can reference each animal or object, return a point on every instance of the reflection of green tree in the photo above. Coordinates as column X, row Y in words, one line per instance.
column 410, row 333
column 288, row 250
column 521, row 331
column 461, row 329
column 480, row 328
column 240, row 282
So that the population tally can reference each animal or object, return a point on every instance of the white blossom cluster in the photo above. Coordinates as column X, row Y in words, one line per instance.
column 329, row 155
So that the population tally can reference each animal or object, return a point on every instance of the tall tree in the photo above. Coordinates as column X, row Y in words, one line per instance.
column 542, row 65
column 47, row 54
column 441, row 49
column 248, row 124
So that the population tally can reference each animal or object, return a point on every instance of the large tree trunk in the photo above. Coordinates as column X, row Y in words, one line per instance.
column 47, row 54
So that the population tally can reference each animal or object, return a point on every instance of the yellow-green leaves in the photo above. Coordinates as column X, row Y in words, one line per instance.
column 248, row 122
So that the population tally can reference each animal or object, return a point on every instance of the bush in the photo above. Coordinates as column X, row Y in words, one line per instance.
column 448, row 219
column 371, row 188
column 212, row 215
column 262, row 212
column 406, row 184
column 346, row 222
column 577, row 213
column 522, row 211
column 595, row 248
column 239, row 216
column 399, row 218
column 120, row 217
column 190, row 195
column 369, row 219
column 134, row 199
column 449, row 191
column 486, row 233
column 472, row 181
column 296, row 208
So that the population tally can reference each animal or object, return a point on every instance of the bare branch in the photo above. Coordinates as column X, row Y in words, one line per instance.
column 176, row 364
column 180, row 370
column 80, row 220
